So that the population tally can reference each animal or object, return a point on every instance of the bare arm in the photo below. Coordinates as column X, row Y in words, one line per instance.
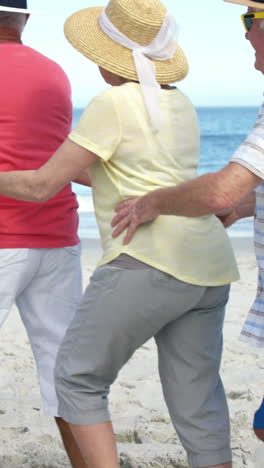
column 84, row 179
column 244, row 209
column 207, row 194
column 247, row 206
column 65, row 165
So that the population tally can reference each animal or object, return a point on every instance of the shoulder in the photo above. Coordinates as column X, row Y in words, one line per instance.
column 44, row 62
column 183, row 99
column 129, row 90
column 182, row 107
column 99, row 110
column 108, row 94
column 103, row 100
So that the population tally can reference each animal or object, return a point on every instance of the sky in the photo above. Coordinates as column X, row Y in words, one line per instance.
column 212, row 36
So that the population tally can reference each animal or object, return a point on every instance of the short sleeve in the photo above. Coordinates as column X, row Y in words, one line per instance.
column 98, row 129
column 250, row 153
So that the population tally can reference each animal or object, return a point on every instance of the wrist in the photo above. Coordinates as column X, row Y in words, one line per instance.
column 151, row 203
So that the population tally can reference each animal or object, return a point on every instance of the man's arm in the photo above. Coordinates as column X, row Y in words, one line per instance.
column 244, row 209
column 42, row 184
column 208, row 194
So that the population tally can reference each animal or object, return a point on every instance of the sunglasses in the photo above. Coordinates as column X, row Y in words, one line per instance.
column 248, row 18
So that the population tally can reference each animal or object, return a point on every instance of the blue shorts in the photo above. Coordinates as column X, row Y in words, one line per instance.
column 259, row 418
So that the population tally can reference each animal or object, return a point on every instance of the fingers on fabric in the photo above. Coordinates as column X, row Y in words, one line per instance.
column 122, row 224
column 125, row 204
column 130, row 232
column 121, row 214
column 124, row 219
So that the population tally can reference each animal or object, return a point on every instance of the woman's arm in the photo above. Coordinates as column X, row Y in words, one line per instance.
column 84, row 179
column 40, row 185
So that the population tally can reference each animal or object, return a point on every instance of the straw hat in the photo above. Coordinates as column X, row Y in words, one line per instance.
column 15, row 6
column 250, row 3
column 140, row 21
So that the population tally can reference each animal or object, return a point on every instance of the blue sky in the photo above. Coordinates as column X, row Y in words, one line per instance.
column 211, row 34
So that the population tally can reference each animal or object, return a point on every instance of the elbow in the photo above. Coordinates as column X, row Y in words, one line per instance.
column 41, row 196
column 40, row 193
column 40, row 199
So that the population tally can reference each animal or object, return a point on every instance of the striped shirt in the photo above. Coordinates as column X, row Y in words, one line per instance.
column 251, row 155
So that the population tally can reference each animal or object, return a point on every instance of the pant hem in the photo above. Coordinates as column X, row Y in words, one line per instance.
column 88, row 418
column 212, row 459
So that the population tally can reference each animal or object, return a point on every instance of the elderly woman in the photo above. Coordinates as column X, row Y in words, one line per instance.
column 238, row 189
column 172, row 281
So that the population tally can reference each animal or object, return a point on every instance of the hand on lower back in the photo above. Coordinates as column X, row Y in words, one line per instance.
column 131, row 214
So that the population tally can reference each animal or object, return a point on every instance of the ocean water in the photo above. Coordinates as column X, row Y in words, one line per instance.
column 222, row 131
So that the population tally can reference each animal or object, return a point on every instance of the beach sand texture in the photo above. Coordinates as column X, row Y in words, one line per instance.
column 146, row 438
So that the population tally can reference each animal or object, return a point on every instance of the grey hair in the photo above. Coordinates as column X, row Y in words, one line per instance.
column 13, row 20
column 261, row 21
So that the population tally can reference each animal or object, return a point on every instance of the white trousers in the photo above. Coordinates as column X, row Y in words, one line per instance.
column 46, row 285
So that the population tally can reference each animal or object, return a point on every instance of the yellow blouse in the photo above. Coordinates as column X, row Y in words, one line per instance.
column 134, row 160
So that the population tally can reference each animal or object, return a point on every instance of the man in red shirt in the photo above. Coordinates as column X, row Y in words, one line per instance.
column 39, row 246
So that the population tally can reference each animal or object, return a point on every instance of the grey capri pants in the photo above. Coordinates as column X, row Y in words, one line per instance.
column 122, row 309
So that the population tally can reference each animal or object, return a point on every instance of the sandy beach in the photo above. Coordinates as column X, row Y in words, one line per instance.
column 146, row 438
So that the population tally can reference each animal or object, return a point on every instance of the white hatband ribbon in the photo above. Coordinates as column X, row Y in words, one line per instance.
column 161, row 48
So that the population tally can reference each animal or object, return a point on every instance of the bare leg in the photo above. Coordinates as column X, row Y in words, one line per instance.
column 70, row 445
column 97, row 445
column 225, row 465
column 260, row 434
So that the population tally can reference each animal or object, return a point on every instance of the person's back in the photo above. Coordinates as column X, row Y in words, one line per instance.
column 137, row 160
column 35, row 118
column 39, row 245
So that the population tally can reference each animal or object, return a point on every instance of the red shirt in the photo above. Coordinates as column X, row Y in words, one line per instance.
column 35, row 118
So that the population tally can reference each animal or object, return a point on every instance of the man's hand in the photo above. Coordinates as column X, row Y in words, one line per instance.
column 132, row 213
column 229, row 218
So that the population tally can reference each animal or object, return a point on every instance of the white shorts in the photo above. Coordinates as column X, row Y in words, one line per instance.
column 46, row 285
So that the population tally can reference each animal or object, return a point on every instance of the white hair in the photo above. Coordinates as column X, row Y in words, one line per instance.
column 13, row 20
column 261, row 21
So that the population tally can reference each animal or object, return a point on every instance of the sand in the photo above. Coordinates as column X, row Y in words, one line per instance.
column 145, row 436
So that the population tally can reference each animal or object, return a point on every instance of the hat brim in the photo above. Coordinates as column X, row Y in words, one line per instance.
column 247, row 3
column 83, row 32
column 18, row 10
